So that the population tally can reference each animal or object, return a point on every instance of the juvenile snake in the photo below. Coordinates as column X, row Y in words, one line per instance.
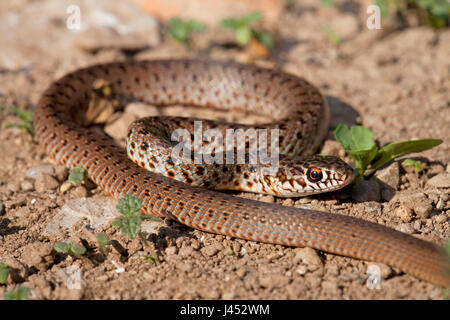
column 291, row 101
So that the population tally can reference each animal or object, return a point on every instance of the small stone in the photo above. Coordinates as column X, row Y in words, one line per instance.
column 211, row 250
column 309, row 257
column 440, row 181
column 35, row 170
column 45, row 182
column 366, row 190
column 2, row 208
column 34, row 253
column 267, row 198
column 404, row 213
column 26, row 185
column 66, row 185
column 441, row 218
column 389, row 176
column 301, row 270
column 78, row 192
column 61, row 173
column 241, row 272
column 440, row 204
column 423, row 210
column 405, row 228
column 417, row 225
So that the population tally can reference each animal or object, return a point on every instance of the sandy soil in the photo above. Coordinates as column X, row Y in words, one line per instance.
column 395, row 82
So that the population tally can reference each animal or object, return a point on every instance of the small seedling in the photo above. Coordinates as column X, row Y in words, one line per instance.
column 243, row 31
column 417, row 165
column 182, row 30
column 71, row 248
column 130, row 221
column 77, row 175
column 103, row 240
column 27, row 120
column 334, row 38
column 18, row 293
column 4, row 272
column 359, row 143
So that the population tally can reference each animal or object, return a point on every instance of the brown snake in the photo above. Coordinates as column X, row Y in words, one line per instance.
column 59, row 119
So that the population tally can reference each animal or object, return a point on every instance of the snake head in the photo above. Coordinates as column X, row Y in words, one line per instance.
column 306, row 176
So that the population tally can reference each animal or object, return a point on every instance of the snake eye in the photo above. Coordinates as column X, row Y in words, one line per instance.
column 314, row 174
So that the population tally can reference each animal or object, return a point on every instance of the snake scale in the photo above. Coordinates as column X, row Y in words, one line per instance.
column 59, row 124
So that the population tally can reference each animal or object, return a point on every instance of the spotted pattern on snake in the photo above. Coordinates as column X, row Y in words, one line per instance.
column 61, row 112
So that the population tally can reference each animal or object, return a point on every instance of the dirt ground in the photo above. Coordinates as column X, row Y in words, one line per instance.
column 395, row 82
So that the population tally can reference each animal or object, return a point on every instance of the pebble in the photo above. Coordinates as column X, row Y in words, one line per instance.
column 45, row 182
column 34, row 252
column 423, row 210
column 2, row 208
column 65, row 186
column 441, row 218
column 404, row 213
column 309, row 257
column 440, row 204
column 367, row 190
column 98, row 211
column 405, row 228
column 267, row 198
column 211, row 250
column 35, row 170
column 440, row 181
column 390, row 175
column 26, row 185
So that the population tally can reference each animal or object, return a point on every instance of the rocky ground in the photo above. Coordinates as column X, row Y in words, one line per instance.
column 395, row 82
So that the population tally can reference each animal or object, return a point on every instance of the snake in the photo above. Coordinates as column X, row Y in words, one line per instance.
column 300, row 113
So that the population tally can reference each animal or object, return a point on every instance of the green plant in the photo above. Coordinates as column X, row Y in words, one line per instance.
column 130, row 221
column 433, row 12
column 77, row 175
column 27, row 120
column 327, row 3
column 181, row 30
column 103, row 240
column 360, row 144
column 334, row 38
column 4, row 272
column 243, row 31
column 70, row 248
column 418, row 166
column 18, row 293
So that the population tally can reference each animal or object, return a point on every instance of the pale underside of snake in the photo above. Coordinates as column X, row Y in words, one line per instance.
column 299, row 112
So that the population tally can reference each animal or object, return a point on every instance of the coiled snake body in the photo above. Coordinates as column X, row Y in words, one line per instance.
column 290, row 100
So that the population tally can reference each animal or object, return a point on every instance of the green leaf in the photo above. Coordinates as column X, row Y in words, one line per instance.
column 19, row 293
column 243, row 35
column 395, row 150
column 102, row 239
column 363, row 158
column 77, row 175
column 129, row 225
column 129, row 204
column 4, row 272
column 334, row 38
column 356, row 138
column 252, row 17
column 181, row 30
column 264, row 37
column 62, row 247
column 231, row 24
column 77, row 249
column 328, row 3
